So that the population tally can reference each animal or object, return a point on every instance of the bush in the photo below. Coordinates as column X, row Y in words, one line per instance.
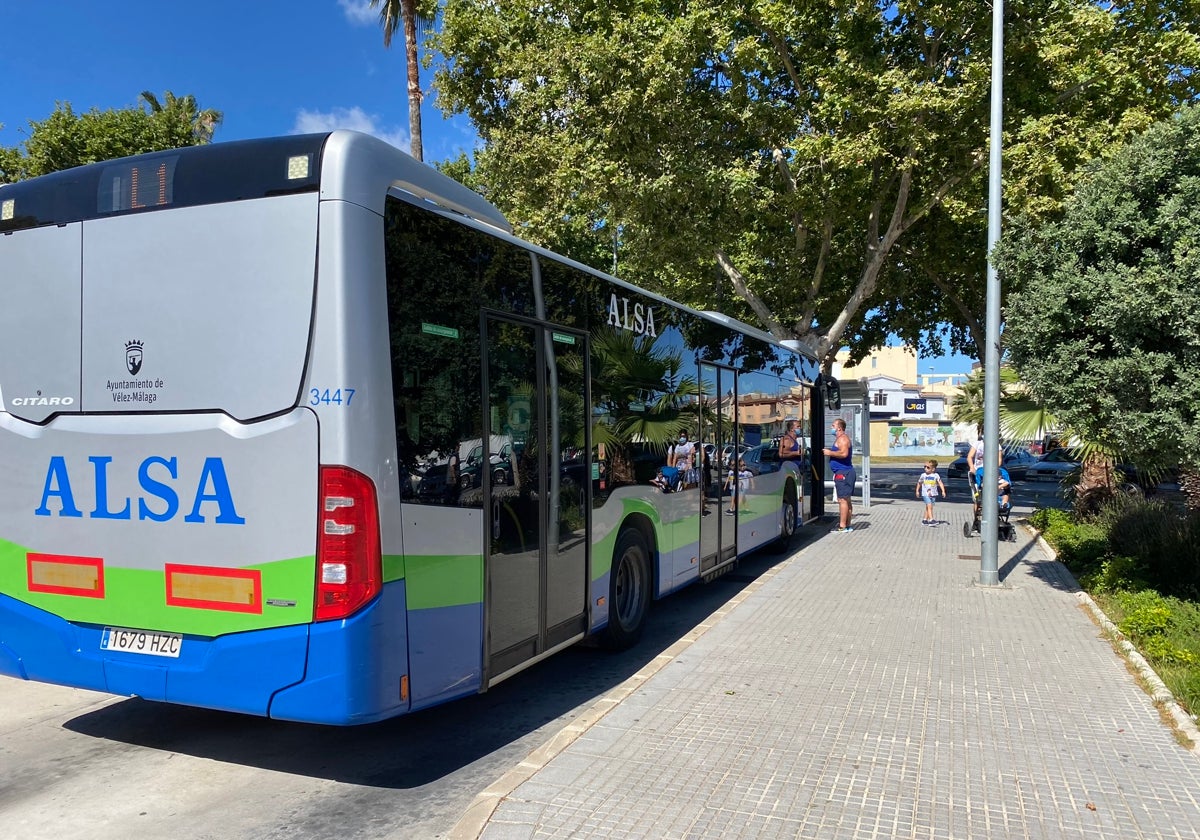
column 1149, row 620
column 1117, row 574
column 1146, row 614
column 1166, row 544
column 1147, row 546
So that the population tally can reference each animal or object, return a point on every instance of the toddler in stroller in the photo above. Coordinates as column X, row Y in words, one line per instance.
column 667, row 479
column 1005, row 530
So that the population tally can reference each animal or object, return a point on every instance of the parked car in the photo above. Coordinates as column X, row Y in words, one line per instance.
column 763, row 458
column 962, row 448
column 1055, row 465
column 1017, row 460
column 500, row 467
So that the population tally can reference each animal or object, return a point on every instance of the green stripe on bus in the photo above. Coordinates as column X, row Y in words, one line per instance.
column 443, row 581
column 137, row 598
column 602, row 550
column 393, row 567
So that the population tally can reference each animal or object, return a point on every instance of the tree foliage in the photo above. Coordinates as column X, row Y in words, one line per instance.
column 817, row 166
column 1105, row 329
column 66, row 139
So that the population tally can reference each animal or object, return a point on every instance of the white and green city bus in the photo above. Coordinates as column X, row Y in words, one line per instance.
column 296, row 427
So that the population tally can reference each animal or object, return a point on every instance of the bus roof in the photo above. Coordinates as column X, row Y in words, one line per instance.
column 341, row 164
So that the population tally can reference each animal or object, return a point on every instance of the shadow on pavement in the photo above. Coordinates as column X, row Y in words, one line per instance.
column 420, row 748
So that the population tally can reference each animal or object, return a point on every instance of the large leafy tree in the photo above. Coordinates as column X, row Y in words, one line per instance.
column 412, row 16
column 819, row 166
column 66, row 139
column 1105, row 330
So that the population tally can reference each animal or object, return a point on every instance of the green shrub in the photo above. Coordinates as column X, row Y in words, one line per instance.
column 1166, row 543
column 1045, row 518
column 1149, row 616
column 1083, row 546
column 1116, row 574
column 1160, row 649
column 1184, row 684
column 1141, row 560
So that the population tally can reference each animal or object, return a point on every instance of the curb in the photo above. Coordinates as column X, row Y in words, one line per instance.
column 475, row 819
column 1158, row 690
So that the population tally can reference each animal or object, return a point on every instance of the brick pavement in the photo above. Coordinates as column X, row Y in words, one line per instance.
column 868, row 687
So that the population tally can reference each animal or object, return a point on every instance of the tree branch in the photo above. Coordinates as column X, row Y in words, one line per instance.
column 740, row 286
column 781, row 50
column 800, row 231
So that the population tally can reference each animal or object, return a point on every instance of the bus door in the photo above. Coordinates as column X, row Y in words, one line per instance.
column 718, row 532
column 537, row 502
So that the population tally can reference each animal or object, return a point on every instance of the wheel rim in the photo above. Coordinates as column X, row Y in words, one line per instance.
column 630, row 585
column 789, row 520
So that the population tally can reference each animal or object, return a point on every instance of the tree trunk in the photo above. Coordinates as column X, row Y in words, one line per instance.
column 409, row 10
column 1097, row 484
column 620, row 466
column 1189, row 483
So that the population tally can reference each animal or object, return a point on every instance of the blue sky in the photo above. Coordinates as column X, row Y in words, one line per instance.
column 271, row 67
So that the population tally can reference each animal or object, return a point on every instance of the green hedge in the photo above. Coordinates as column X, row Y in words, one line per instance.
column 1140, row 560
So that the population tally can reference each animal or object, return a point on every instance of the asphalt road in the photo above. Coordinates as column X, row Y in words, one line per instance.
column 75, row 764
column 897, row 482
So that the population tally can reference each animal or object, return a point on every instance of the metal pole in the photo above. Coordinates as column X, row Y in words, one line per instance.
column 864, row 423
column 988, row 567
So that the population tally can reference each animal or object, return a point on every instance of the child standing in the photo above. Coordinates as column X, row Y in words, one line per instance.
column 737, row 482
column 929, row 486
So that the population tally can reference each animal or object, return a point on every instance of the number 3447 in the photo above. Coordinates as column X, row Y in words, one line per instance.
column 330, row 396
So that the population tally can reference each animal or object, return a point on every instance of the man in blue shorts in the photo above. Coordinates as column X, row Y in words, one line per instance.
column 840, row 462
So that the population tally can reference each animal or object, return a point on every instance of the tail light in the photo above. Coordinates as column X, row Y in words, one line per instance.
column 349, row 563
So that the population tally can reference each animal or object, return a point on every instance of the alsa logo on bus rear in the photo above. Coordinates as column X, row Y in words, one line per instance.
column 160, row 500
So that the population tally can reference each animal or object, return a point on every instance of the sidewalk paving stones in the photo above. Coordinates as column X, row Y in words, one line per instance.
column 869, row 687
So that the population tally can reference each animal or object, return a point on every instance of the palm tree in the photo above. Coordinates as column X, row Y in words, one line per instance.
column 1023, row 418
column 643, row 397
column 392, row 15
column 187, row 110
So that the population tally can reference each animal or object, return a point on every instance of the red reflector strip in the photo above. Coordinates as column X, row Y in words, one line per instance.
column 210, row 588
column 64, row 574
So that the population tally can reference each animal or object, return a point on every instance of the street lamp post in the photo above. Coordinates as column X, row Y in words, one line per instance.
column 988, row 566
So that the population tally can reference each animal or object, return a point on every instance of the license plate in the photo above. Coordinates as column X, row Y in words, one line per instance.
column 141, row 641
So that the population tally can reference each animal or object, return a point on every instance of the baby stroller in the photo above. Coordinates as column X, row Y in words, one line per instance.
column 674, row 479
column 1005, row 530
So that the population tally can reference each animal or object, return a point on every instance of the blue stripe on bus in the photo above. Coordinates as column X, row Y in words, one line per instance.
column 447, row 653
column 352, row 673
column 354, row 667
column 236, row 673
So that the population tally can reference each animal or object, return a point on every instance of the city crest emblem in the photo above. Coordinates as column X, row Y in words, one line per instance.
column 133, row 356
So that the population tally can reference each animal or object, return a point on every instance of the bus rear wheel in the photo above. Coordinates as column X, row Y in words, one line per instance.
column 628, row 591
column 787, row 530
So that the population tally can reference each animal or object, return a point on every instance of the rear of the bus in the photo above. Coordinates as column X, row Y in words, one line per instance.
column 168, row 526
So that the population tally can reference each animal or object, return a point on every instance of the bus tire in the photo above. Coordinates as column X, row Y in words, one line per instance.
column 788, row 532
column 628, row 590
